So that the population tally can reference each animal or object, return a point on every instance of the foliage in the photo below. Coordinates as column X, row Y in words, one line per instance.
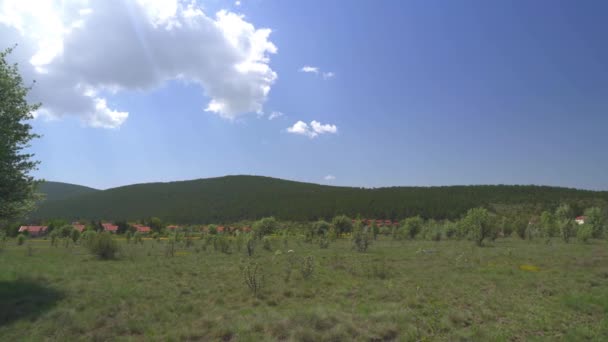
column 360, row 238
column 250, row 246
column 412, row 226
column 548, row 224
column 234, row 198
column 21, row 239
column 566, row 229
column 584, row 233
column 320, row 228
column 343, row 224
column 253, row 275
column 103, row 246
column 138, row 238
column 265, row 226
column 595, row 218
column 75, row 235
column 308, row 267
column 476, row 225
column 17, row 187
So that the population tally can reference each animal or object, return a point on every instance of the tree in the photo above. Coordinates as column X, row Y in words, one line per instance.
column 265, row 226
column 596, row 220
column 156, row 224
column 413, row 225
column 476, row 225
column 17, row 187
column 547, row 224
column 343, row 224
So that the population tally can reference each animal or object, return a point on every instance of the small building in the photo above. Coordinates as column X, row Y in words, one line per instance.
column 34, row 230
column 173, row 227
column 78, row 226
column 142, row 229
column 108, row 227
column 580, row 219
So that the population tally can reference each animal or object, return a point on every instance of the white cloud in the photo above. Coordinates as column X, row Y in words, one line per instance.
column 237, row 3
column 329, row 177
column 310, row 69
column 328, row 75
column 275, row 115
column 313, row 130
column 81, row 52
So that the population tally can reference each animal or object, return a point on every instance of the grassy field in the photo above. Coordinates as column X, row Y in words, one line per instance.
column 398, row 290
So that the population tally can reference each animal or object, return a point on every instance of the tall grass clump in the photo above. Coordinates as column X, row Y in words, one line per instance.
column 361, row 238
column 308, row 267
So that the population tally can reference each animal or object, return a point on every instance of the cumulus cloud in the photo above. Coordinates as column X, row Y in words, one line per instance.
column 313, row 130
column 275, row 115
column 329, row 177
column 237, row 3
column 81, row 52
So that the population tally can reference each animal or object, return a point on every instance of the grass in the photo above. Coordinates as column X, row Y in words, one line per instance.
column 410, row 290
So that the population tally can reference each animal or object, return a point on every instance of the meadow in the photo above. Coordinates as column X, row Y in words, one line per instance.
column 409, row 290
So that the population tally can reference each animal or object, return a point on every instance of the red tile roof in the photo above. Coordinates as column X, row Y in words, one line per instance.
column 581, row 217
column 108, row 227
column 220, row 229
column 172, row 227
column 143, row 229
column 33, row 229
column 79, row 227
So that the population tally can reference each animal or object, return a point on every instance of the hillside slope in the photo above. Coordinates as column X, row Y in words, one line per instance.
column 232, row 198
column 58, row 191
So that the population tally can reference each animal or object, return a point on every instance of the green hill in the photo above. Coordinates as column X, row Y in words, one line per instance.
column 234, row 198
column 58, row 191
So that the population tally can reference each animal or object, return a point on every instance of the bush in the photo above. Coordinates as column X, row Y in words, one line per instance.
column 75, row 235
column 308, row 267
column 320, row 228
column 584, row 233
column 87, row 237
column 103, row 246
column 477, row 225
column 343, row 224
column 138, row 238
column 412, row 226
column 250, row 246
column 566, row 229
column 265, row 226
column 129, row 235
column 361, row 238
column 20, row 239
column 253, row 275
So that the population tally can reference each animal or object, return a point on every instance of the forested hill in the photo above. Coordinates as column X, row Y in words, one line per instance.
column 59, row 191
column 233, row 198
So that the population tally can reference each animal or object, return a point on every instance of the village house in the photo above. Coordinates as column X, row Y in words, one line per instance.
column 142, row 229
column 78, row 226
column 580, row 219
column 33, row 231
column 108, row 227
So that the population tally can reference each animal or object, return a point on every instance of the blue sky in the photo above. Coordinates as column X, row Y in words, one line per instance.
column 423, row 93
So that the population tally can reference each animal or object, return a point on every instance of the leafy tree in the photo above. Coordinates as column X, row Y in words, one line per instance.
column 156, row 224
column 320, row 228
column 75, row 235
column 343, row 224
column 476, row 225
column 596, row 220
column 413, row 226
column 265, row 226
column 584, row 233
column 563, row 212
column 17, row 187
column 123, row 227
column 548, row 224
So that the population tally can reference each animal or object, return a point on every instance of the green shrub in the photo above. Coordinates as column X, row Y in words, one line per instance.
column 343, row 224
column 21, row 239
column 266, row 244
column 308, row 267
column 360, row 238
column 566, row 229
column 413, row 226
column 128, row 236
column 477, row 225
column 138, row 238
column 324, row 241
column 75, row 235
column 584, row 233
column 54, row 235
column 253, row 275
column 250, row 246
column 320, row 228
column 103, row 246
column 87, row 237
column 265, row 226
